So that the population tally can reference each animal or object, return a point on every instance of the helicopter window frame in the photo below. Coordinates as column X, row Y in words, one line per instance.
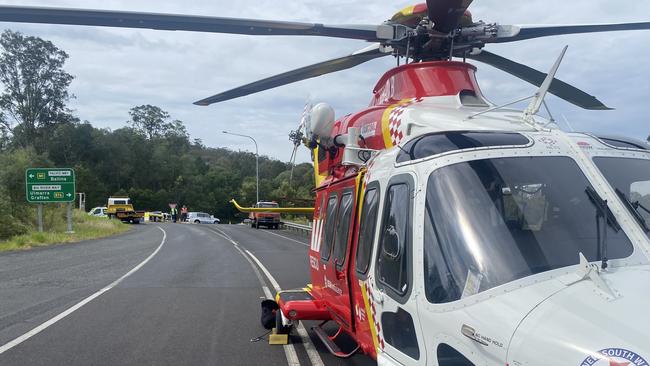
column 628, row 187
column 399, row 295
column 414, row 160
column 361, row 239
column 321, row 207
column 332, row 197
column 340, row 214
column 631, row 144
column 433, row 241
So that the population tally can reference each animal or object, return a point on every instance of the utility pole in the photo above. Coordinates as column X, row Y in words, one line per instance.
column 257, row 163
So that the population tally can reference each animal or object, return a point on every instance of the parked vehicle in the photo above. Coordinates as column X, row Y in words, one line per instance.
column 269, row 219
column 98, row 211
column 201, row 218
column 155, row 216
column 122, row 208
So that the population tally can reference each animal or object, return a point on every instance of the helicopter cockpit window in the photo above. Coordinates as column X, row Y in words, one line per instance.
column 631, row 178
column 367, row 227
column 392, row 264
column 438, row 143
column 626, row 143
column 330, row 220
column 343, row 230
column 489, row 222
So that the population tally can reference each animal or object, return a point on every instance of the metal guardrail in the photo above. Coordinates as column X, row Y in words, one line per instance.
column 297, row 227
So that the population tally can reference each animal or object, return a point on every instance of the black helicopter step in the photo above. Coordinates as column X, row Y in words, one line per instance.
column 330, row 341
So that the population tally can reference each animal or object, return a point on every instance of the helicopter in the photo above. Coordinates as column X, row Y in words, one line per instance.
column 449, row 230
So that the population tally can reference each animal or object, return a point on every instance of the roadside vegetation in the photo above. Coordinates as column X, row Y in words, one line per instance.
column 54, row 219
column 152, row 159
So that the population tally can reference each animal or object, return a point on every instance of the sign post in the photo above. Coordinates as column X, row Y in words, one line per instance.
column 69, row 213
column 82, row 201
column 50, row 185
column 40, row 217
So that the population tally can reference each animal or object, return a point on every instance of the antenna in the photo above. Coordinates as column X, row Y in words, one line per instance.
column 296, row 137
column 573, row 129
column 538, row 99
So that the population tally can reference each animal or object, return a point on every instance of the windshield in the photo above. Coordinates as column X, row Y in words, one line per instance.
column 492, row 221
column 268, row 205
column 632, row 178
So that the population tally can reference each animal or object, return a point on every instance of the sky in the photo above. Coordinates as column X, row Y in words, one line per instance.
column 117, row 69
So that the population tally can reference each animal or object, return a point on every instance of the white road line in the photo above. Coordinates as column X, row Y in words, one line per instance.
column 285, row 237
column 289, row 349
column 312, row 353
column 314, row 357
column 11, row 344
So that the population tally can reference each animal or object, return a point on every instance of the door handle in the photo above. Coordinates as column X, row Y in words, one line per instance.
column 470, row 333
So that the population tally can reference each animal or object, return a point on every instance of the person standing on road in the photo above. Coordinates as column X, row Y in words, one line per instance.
column 174, row 214
column 184, row 214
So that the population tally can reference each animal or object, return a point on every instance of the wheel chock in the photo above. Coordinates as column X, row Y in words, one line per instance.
column 278, row 339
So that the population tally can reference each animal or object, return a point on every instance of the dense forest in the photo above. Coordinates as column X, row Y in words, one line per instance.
column 153, row 159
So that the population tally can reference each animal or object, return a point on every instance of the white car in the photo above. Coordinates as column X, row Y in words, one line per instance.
column 201, row 218
column 98, row 211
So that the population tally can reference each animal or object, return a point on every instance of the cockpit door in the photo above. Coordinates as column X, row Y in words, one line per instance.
column 399, row 334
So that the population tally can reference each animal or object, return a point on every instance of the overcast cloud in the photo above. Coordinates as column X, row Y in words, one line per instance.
column 117, row 69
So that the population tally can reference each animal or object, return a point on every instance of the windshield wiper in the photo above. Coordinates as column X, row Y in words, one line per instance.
column 633, row 208
column 602, row 210
column 638, row 204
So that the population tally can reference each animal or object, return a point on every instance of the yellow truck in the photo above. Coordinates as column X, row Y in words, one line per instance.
column 122, row 209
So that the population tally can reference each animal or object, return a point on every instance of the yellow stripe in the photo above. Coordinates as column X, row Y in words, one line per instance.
column 307, row 210
column 318, row 178
column 385, row 121
column 371, row 319
column 385, row 131
column 361, row 189
column 404, row 13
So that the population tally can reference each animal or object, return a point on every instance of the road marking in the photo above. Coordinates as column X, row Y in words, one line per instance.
column 314, row 357
column 11, row 344
column 312, row 353
column 289, row 349
column 285, row 237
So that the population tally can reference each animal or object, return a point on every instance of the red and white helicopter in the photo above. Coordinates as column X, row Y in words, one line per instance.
column 448, row 230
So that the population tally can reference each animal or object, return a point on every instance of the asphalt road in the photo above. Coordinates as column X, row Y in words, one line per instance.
column 192, row 300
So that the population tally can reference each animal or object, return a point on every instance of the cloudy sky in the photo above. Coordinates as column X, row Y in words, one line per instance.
column 117, row 69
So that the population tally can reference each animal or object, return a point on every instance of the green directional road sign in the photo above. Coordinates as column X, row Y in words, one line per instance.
column 48, row 185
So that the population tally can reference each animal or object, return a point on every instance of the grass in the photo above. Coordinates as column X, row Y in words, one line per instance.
column 85, row 227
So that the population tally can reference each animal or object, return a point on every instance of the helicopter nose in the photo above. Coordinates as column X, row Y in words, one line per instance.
column 583, row 326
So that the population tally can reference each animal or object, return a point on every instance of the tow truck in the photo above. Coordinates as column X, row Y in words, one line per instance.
column 121, row 207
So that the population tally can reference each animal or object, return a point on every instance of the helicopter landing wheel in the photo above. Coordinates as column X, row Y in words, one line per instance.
column 279, row 327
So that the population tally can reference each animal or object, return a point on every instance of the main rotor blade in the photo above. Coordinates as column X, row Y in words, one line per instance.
column 446, row 14
column 528, row 32
column 123, row 19
column 558, row 87
column 292, row 76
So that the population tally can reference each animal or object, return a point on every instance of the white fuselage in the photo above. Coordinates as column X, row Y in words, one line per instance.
column 551, row 317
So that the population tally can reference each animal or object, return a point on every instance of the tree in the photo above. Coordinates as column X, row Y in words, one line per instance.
column 4, row 133
column 35, row 85
column 153, row 122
